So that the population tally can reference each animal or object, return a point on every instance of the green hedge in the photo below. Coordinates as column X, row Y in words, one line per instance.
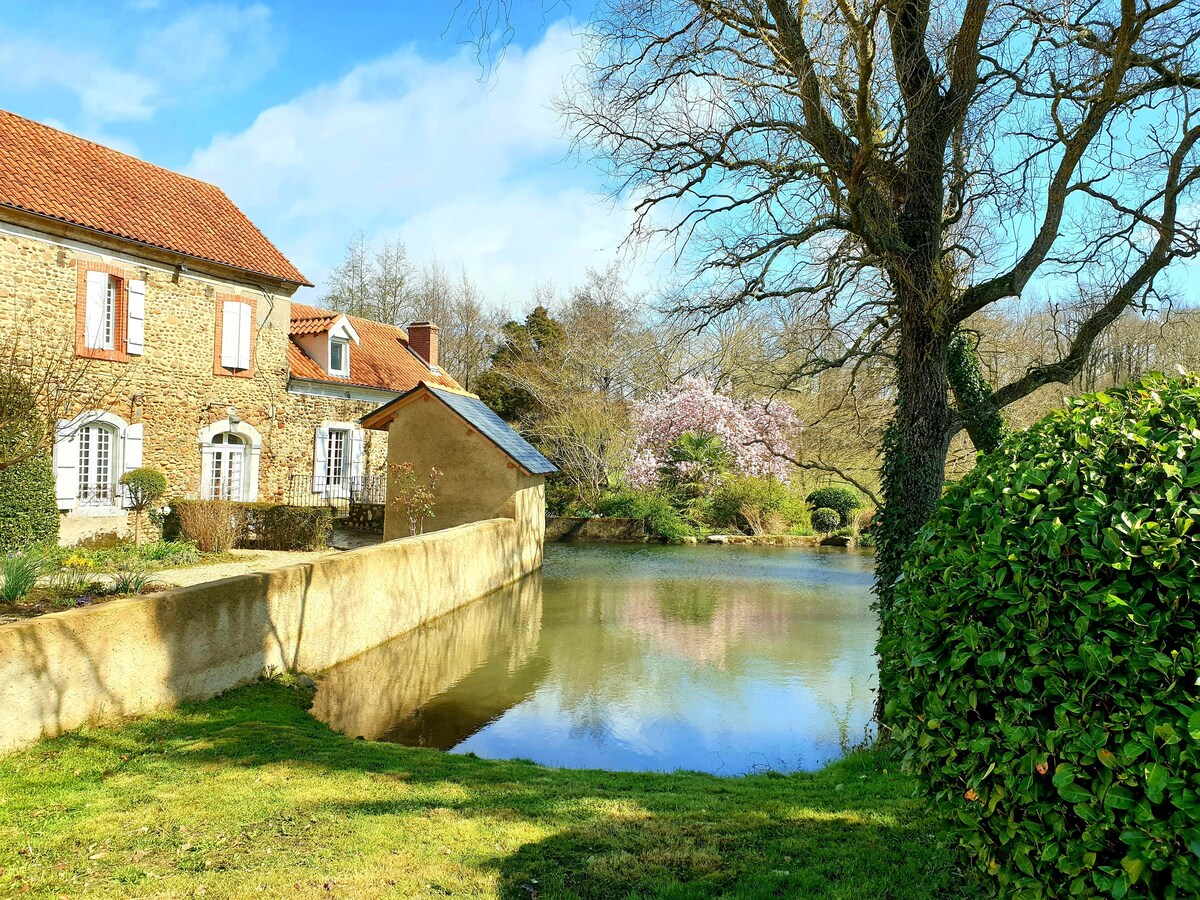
column 28, row 506
column 1048, row 628
column 268, row 526
column 662, row 519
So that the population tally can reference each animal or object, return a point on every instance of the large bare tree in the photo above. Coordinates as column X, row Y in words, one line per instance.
column 894, row 167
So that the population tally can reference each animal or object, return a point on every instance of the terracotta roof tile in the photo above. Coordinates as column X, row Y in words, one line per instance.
column 55, row 174
column 382, row 358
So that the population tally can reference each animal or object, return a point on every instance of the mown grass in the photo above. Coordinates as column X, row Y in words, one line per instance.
column 249, row 796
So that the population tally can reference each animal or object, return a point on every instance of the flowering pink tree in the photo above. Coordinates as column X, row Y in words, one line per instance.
column 750, row 434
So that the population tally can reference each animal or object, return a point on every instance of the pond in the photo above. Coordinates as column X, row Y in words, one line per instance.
column 726, row 660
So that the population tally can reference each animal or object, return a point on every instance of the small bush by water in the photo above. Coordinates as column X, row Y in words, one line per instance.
column 1046, row 685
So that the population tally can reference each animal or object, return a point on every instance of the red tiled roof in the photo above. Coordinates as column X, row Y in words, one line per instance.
column 60, row 176
column 381, row 359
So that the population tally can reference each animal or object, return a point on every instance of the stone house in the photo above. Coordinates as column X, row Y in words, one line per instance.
column 177, row 315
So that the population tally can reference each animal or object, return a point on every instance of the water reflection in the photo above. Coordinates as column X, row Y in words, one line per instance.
column 661, row 658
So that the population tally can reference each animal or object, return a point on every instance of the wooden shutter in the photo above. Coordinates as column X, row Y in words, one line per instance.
column 66, row 465
column 356, row 453
column 131, row 451
column 135, row 334
column 320, row 460
column 245, row 334
column 231, row 321
column 96, row 303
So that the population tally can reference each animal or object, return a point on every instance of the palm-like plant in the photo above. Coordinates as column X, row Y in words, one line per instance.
column 696, row 461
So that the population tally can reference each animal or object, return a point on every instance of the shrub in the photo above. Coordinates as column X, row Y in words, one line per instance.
column 1045, row 656
column 759, row 506
column 839, row 498
column 143, row 488
column 21, row 572
column 218, row 525
column 28, row 507
column 662, row 519
column 297, row 528
column 826, row 520
column 210, row 524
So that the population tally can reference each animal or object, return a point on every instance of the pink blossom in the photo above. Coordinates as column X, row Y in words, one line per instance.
column 751, row 433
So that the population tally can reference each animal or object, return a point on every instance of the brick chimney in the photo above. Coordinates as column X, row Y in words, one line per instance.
column 423, row 338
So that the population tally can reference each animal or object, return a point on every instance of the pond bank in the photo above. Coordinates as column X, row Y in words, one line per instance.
column 249, row 795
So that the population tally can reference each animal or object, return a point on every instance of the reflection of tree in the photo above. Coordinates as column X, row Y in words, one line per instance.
column 650, row 647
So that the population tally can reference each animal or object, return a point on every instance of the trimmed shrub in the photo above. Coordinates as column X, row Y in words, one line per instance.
column 28, row 506
column 842, row 499
column 210, row 524
column 143, row 488
column 662, row 519
column 826, row 520
column 1044, row 655
column 297, row 528
column 759, row 506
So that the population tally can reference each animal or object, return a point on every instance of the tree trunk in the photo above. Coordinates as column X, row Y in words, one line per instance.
column 916, row 444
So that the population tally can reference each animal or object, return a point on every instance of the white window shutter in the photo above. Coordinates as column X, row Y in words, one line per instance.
column 131, row 450
column 356, row 453
column 66, row 466
column 135, row 333
column 96, row 302
column 207, row 454
column 230, row 322
column 245, row 333
column 320, row 460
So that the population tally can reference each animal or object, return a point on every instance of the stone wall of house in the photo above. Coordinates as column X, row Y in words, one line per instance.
column 175, row 388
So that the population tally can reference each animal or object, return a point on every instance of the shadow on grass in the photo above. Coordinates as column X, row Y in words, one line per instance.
column 853, row 830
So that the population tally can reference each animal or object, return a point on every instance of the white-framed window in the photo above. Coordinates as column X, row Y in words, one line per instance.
column 229, row 462
column 100, row 318
column 96, row 464
column 337, row 459
column 91, row 452
column 227, row 467
column 339, row 357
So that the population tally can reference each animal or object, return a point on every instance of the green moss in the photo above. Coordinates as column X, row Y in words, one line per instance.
column 248, row 795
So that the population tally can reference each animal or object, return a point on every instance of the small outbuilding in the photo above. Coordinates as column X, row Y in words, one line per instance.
column 488, row 470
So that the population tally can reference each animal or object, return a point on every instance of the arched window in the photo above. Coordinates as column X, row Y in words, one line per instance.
column 228, row 467
column 229, row 456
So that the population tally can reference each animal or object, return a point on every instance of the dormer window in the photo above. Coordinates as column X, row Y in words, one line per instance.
column 339, row 357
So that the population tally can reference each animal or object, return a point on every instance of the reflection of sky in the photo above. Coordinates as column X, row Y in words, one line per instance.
column 777, row 673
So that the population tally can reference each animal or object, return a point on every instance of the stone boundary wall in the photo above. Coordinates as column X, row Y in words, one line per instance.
column 366, row 517
column 600, row 530
column 128, row 657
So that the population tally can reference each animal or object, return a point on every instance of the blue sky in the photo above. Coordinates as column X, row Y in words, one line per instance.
column 321, row 119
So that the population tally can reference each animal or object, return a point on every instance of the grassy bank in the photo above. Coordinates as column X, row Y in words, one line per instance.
column 248, row 795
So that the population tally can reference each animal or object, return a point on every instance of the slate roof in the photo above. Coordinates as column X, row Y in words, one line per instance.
column 50, row 173
column 479, row 416
column 382, row 358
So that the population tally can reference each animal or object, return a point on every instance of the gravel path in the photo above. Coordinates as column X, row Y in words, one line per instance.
column 251, row 561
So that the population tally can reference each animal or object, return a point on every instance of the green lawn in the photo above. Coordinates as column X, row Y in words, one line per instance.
column 249, row 796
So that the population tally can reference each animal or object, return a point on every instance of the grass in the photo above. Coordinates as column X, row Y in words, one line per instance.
column 248, row 795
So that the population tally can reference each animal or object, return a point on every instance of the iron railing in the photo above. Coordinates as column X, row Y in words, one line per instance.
column 340, row 493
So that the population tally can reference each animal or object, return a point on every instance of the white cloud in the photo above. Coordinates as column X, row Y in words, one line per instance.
column 421, row 149
column 210, row 47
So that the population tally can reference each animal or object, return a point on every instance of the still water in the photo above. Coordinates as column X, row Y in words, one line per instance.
column 725, row 660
